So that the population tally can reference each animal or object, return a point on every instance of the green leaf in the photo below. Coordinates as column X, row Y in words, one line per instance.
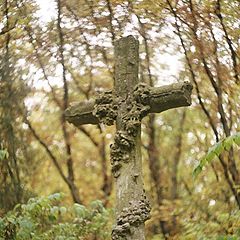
column 26, row 224
column 197, row 170
column 11, row 220
column 55, row 197
column 3, row 154
column 97, row 204
column 63, row 210
column 80, row 210
column 52, row 217
column 228, row 142
column 215, row 151
column 236, row 138
column 218, row 148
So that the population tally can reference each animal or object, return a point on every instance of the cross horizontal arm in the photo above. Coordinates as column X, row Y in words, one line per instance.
column 160, row 99
column 81, row 113
column 170, row 96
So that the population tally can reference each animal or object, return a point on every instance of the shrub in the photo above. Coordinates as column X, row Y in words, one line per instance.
column 44, row 218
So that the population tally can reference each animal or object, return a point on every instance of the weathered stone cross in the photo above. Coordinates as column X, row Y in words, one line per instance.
column 127, row 104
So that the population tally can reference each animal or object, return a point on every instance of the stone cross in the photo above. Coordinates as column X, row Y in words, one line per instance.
column 127, row 104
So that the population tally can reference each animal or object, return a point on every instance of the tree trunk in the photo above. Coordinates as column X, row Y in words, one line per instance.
column 154, row 166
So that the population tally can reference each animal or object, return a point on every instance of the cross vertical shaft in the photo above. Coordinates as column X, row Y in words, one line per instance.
column 129, row 184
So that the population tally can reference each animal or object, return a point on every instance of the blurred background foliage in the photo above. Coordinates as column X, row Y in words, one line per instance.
column 50, row 57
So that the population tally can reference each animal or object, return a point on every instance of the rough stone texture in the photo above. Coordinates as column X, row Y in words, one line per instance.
column 105, row 108
column 127, row 104
column 170, row 96
column 159, row 99
column 129, row 184
column 81, row 113
column 131, row 217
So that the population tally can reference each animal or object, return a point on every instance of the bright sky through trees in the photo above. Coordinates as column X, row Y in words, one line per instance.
column 166, row 66
column 47, row 9
column 57, row 52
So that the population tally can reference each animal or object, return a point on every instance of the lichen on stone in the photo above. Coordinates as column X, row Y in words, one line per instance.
column 133, row 118
column 132, row 58
column 105, row 108
column 120, row 151
column 138, row 108
column 120, row 231
column 124, row 140
column 116, row 156
column 135, row 214
column 141, row 94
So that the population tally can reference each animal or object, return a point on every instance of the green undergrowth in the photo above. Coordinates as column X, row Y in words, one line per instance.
column 45, row 218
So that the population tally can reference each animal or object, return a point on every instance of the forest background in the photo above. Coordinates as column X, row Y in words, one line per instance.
column 49, row 60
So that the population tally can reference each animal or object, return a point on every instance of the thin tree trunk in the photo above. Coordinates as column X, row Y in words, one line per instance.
column 71, row 177
column 107, row 181
column 154, row 166
column 176, row 158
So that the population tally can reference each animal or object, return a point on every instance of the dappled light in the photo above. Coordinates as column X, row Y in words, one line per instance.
column 119, row 119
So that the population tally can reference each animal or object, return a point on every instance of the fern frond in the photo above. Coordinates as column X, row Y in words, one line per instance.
column 216, row 150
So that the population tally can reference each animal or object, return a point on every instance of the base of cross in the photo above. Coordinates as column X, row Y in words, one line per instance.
column 127, row 105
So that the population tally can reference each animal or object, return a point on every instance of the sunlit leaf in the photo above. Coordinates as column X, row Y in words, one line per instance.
column 216, row 150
